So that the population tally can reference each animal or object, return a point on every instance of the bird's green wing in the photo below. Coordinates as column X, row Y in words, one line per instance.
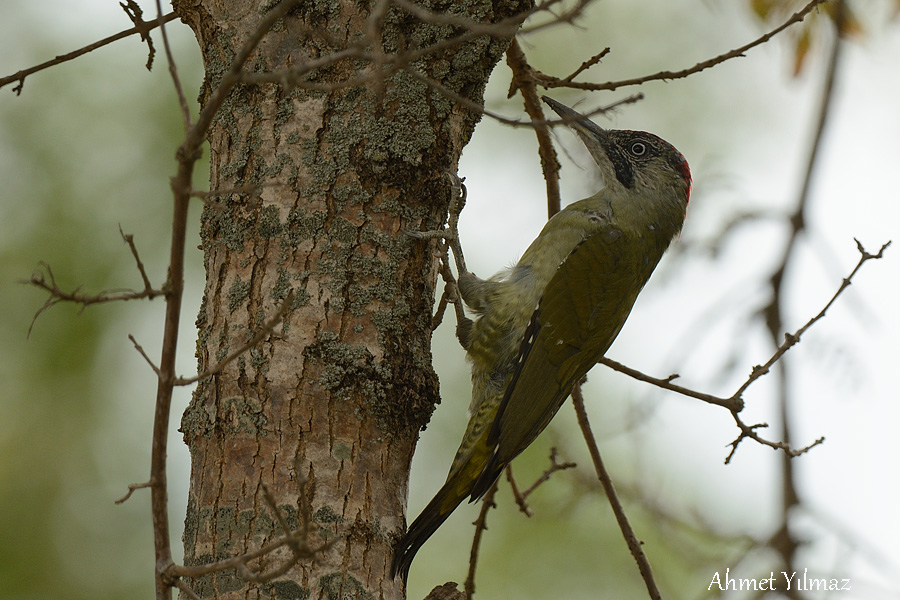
column 579, row 315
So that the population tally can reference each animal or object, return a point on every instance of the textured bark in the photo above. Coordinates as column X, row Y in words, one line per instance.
column 336, row 395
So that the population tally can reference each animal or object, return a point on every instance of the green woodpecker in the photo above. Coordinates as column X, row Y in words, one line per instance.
column 546, row 321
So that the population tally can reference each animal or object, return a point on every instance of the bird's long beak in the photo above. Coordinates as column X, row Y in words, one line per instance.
column 574, row 119
column 594, row 137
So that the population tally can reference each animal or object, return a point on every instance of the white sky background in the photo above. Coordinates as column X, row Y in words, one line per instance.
column 745, row 128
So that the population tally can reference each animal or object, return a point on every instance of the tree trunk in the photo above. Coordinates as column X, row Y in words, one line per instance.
column 323, row 178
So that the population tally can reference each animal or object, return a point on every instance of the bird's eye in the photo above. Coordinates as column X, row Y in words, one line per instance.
column 638, row 148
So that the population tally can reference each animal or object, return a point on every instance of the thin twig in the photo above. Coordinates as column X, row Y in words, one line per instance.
column 634, row 544
column 566, row 18
column 173, row 70
column 273, row 506
column 480, row 527
column 790, row 339
column 517, row 495
column 472, row 105
column 182, row 586
column 521, row 497
column 46, row 281
column 234, row 562
column 749, row 432
column 21, row 75
column 523, row 80
column 586, row 65
column 131, row 489
column 548, row 472
column 450, row 241
column 503, row 29
column 143, row 354
column 298, row 540
column 701, row 66
column 735, row 403
column 129, row 239
column 260, row 335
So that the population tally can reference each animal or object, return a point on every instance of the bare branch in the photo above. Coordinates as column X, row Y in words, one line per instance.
column 504, row 29
column 566, row 18
column 182, row 586
column 507, row 120
column 517, row 495
column 480, row 527
column 129, row 239
column 173, row 71
column 749, row 432
column 46, row 281
column 701, row 66
column 545, row 476
column 520, row 497
column 735, row 403
column 524, row 81
column 450, row 240
column 790, row 339
column 586, row 65
column 21, row 75
column 634, row 544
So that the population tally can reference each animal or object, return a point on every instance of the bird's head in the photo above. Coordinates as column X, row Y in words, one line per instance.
column 635, row 161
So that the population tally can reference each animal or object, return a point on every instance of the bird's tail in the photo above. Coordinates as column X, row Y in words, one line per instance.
column 437, row 511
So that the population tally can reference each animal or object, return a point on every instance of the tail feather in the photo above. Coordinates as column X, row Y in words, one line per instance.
column 432, row 517
column 488, row 477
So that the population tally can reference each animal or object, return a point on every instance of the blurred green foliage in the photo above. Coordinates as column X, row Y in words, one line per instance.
column 87, row 147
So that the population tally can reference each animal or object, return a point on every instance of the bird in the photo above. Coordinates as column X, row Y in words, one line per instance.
column 543, row 323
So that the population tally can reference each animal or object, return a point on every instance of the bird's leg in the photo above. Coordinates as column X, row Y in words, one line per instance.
column 450, row 233
column 450, row 237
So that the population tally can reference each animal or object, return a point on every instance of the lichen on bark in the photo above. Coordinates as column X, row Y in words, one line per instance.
column 318, row 185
